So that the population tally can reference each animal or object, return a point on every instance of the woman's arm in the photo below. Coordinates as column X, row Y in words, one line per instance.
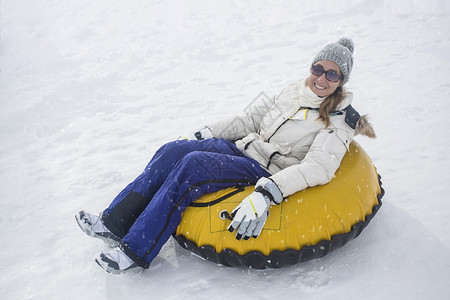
column 248, row 121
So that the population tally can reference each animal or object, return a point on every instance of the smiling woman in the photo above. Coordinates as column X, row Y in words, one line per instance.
column 280, row 146
column 324, row 78
column 330, row 70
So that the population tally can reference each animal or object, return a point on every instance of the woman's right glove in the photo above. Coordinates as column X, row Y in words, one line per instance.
column 251, row 214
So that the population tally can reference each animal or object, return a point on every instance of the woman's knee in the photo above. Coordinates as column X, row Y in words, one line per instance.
column 199, row 161
column 194, row 158
column 172, row 147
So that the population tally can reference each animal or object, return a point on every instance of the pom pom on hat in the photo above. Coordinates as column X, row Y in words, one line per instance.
column 348, row 43
column 341, row 53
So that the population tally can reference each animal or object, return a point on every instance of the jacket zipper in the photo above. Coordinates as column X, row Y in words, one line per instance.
column 287, row 119
column 268, row 140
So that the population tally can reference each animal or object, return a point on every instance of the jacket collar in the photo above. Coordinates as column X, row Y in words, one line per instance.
column 307, row 97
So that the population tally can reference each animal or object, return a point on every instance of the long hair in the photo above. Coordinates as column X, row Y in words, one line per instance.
column 329, row 104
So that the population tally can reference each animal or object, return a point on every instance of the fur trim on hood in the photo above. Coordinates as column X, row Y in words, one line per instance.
column 364, row 127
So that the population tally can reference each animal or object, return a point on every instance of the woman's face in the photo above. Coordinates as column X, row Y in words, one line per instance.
column 321, row 86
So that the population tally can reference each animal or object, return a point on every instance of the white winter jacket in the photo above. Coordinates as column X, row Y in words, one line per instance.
column 288, row 140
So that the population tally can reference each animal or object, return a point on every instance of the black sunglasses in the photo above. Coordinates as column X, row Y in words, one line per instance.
column 329, row 75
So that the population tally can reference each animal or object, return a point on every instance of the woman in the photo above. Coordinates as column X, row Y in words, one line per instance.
column 283, row 145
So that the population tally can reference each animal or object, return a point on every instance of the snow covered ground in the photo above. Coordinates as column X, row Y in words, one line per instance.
column 90, row 89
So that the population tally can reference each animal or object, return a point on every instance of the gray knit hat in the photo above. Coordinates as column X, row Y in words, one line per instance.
column 341, row 53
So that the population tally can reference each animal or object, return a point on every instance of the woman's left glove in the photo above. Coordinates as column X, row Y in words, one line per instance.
column 201, row 134
column 251, row 214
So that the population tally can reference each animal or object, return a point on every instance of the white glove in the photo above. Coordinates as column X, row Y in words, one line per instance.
column 250, row 216
column 202, row 134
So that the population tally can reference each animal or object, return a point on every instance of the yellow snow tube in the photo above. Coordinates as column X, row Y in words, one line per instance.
column 307, row 225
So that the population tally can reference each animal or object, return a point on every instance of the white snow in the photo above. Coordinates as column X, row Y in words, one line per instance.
column 90, row 89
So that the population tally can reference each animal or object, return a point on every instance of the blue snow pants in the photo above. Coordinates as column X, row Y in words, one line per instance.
column 146, row 213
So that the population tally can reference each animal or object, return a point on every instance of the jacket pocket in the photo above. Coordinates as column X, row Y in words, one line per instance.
column 344, row 137
column 334, row 141
column 244, row 143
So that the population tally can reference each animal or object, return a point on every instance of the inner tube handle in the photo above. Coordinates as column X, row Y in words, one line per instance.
column 225, row 215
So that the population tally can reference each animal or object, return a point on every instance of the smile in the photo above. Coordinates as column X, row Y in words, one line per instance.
column 319, row 87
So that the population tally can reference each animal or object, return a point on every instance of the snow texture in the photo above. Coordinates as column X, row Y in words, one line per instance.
column 90, row 89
